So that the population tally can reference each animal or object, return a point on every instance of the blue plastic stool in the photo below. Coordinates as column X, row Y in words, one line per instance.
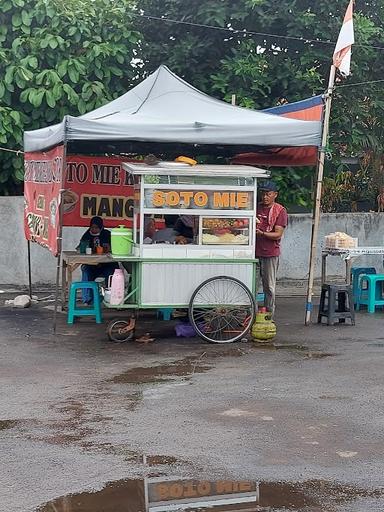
column 370, row 295
column 165, row 313
column 356, row 272
column 94, row 310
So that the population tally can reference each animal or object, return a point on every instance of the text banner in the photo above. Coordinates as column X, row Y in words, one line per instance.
column 204, row 199
column 42, row 183
column 97, row 186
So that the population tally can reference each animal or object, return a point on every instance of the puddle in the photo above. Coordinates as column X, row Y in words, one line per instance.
column 63, row 439
column 260, row 345
column 162, row 373
column 158, row 495
column 79, row 420
column 290, row 346
column 131, row 456
column 157, row 460
column 6, row 424
column 228, row 352
column 318, row 355
column 308, row 354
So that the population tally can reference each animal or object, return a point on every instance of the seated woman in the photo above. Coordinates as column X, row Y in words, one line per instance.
column 96, row 235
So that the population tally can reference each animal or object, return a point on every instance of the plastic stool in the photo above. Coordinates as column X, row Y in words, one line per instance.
column 336, row 303
column 165, row 313
column 372, row 294
column 356, row 272
column 94, row 310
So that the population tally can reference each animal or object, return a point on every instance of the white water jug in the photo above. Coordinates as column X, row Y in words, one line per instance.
column 117, row 286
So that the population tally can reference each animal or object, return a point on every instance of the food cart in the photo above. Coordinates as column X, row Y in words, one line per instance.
column 215, row 274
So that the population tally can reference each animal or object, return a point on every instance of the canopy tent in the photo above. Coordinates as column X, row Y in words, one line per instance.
column 161, row 114
column 167, row 110
column 311, row 109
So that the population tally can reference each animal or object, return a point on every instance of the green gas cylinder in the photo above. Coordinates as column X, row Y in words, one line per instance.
column 264, row 328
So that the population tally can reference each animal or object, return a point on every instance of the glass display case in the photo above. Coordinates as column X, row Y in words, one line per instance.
column 214, row 205
column 225, row 230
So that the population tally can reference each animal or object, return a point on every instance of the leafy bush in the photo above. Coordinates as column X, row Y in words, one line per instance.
column 58, row 58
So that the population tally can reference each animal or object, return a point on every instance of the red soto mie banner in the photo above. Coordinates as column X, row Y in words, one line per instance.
column 97, row 186
column 42, row 183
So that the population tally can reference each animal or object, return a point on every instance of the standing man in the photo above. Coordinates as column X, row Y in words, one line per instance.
column 273, row 219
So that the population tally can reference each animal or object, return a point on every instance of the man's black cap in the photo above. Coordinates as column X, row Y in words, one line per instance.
column 268, row 186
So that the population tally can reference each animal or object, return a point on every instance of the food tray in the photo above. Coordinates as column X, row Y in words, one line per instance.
column 337, row 243
column 209, row 239
column 225, row 243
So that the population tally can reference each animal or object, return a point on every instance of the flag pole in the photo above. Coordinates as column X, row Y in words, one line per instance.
column 319, row 186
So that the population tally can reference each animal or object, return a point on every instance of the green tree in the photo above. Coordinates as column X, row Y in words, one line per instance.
column 194, row 53
column 58, row 58
column 269, row 70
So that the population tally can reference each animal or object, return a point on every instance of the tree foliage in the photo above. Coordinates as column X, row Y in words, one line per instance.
column 268, row 70
column 58, row 58
column 69, row 57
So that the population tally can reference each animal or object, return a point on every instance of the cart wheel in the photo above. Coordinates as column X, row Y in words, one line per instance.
column 222, row 310
column 121, row 331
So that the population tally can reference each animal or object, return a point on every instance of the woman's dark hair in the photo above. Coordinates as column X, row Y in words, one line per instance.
column 97, row 221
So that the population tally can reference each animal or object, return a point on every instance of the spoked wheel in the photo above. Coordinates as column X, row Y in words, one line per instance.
column 222, row 310
column 121, row 331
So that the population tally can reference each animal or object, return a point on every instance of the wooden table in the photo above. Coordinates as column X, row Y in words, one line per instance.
column 71, row 260
column 348, row 255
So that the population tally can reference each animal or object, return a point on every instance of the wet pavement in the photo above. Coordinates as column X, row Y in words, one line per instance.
column 185, row 368
column 86, row 424
column 157, row 495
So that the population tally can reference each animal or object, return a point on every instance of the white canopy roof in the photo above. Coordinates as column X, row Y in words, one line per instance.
column 165, row 108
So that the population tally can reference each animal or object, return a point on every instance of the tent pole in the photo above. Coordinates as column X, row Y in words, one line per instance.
column 58, row 259
column 29, row 269
column 60, row 237
column 317, row 205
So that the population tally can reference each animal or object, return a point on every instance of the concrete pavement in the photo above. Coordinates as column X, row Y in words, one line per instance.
column 78, row 411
